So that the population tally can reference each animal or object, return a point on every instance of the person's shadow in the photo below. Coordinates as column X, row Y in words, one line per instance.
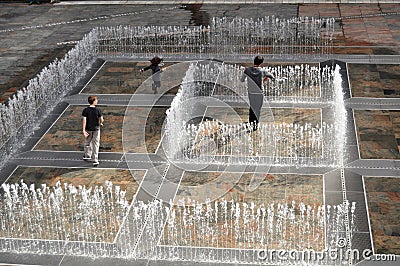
column 198, row 16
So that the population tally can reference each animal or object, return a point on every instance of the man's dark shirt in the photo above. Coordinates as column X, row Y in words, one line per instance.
column 92, row 115
column 155, row 69
column 255, row 78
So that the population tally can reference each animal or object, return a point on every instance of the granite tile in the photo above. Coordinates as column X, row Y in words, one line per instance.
column 383, row 197
column 377, row 133
column 121, row 78
column 66, row 133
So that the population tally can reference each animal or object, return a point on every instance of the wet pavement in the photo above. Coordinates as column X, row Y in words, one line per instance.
column 33, row 36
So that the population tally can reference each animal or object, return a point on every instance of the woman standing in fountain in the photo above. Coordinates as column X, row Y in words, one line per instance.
column 92, row 119
column 255, row 77
column 156, row 72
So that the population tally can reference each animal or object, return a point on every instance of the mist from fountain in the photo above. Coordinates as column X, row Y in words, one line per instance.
column 293, row 83
column 272, row 35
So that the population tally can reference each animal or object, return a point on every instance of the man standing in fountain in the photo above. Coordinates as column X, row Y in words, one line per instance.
column 255, row 77
column 156, row 71
column 92, row 119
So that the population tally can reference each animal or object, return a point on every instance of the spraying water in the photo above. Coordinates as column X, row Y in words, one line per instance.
column 225, row 36
column 300, row 144
column 99, row 221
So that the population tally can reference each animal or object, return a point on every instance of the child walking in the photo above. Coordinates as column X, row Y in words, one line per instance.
column 92, row 119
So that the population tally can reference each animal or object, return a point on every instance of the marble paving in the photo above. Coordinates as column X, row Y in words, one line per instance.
column 364, row 33
column 122, row 78
column 377, row 130
column 378, row 133
column 139, row 120
column 66, row 133
column 278, row 188
column 374, row 80
column 383, row 195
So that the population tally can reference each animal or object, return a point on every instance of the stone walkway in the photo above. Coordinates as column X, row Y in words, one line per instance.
column 33, row 36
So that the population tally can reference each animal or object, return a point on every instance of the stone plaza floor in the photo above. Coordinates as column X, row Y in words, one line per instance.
column 367, row 39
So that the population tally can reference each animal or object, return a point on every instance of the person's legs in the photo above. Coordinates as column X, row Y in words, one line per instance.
column 156, row 85
column 253, row 119
column 95, row 146
column 87, row 146
column 256, row 102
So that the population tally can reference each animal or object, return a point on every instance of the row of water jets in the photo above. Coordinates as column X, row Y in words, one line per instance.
column 292, row 83
column 66, row 212
column 247, row 225
column 272, row 35
column 101, row 218
column 24, row 111
column 225, row 36
column 279, row 143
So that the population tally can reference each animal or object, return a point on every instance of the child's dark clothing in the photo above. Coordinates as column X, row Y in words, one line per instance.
column 156, row 76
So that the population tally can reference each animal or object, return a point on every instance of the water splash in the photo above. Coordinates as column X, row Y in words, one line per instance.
column 300, row 144
column 98, row 221
column 65, row 212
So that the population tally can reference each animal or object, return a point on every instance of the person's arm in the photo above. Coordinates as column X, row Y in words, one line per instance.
column 100, row 116
column 144, row 69
column 267, row 75
column 84, row 126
